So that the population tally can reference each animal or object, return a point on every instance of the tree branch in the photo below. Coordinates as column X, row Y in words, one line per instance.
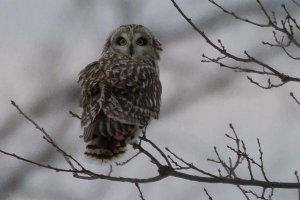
column 286, row 29
column 164, row 170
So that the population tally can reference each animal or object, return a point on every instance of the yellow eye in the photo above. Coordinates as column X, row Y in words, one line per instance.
column 141, row 41
column 121, row 41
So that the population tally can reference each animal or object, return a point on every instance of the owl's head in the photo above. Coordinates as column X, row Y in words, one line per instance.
column 134, row 41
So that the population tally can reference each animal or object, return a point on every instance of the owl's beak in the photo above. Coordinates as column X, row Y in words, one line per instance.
column 131, row 51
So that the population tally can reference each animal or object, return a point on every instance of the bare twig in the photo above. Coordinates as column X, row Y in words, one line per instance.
column 140, row 191
column 75, row 115
column 157, row 149
column 110, row 170
column 256, row 195
column 238, row 17
column 286, row 29
column 261, row 161
column 271, row 21
column 295, row 2
column 298, row 180
column 207, row 194
column 191, row 165
column 245, row 193
column 269, row 86
column 293, row 96
column 237, row 141
column 47, row 137
column 36, row 163
column 235, row 68
column 245, row 155
column 128, row 160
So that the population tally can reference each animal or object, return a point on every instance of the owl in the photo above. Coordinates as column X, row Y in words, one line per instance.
column 121, row 92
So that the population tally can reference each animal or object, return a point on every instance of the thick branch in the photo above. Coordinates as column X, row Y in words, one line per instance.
column 168, row 172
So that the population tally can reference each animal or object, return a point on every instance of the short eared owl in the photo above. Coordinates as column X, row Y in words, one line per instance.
column 121, row 92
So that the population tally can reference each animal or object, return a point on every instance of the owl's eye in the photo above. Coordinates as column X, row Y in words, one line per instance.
column 141, row 41
column 121, row 41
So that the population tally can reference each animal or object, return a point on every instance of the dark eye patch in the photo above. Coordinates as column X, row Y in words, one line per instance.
column 141, row 41
column 121, row 41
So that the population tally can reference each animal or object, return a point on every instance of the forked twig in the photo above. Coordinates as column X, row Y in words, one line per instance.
column 46, row 137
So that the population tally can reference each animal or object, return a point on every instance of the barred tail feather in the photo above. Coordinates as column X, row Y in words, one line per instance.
column 107, row 139
column 104, row 149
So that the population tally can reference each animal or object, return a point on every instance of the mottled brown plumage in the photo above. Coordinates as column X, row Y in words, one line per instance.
column 121, row 92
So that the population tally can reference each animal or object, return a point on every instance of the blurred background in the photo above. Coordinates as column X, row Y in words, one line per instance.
column 45, row 44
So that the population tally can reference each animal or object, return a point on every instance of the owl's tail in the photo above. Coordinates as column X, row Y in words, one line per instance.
column 107, row 139
column 105, row 148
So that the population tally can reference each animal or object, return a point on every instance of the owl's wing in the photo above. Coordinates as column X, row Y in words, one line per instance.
column 128, row 92
column 92, row 94
column 135, row 93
